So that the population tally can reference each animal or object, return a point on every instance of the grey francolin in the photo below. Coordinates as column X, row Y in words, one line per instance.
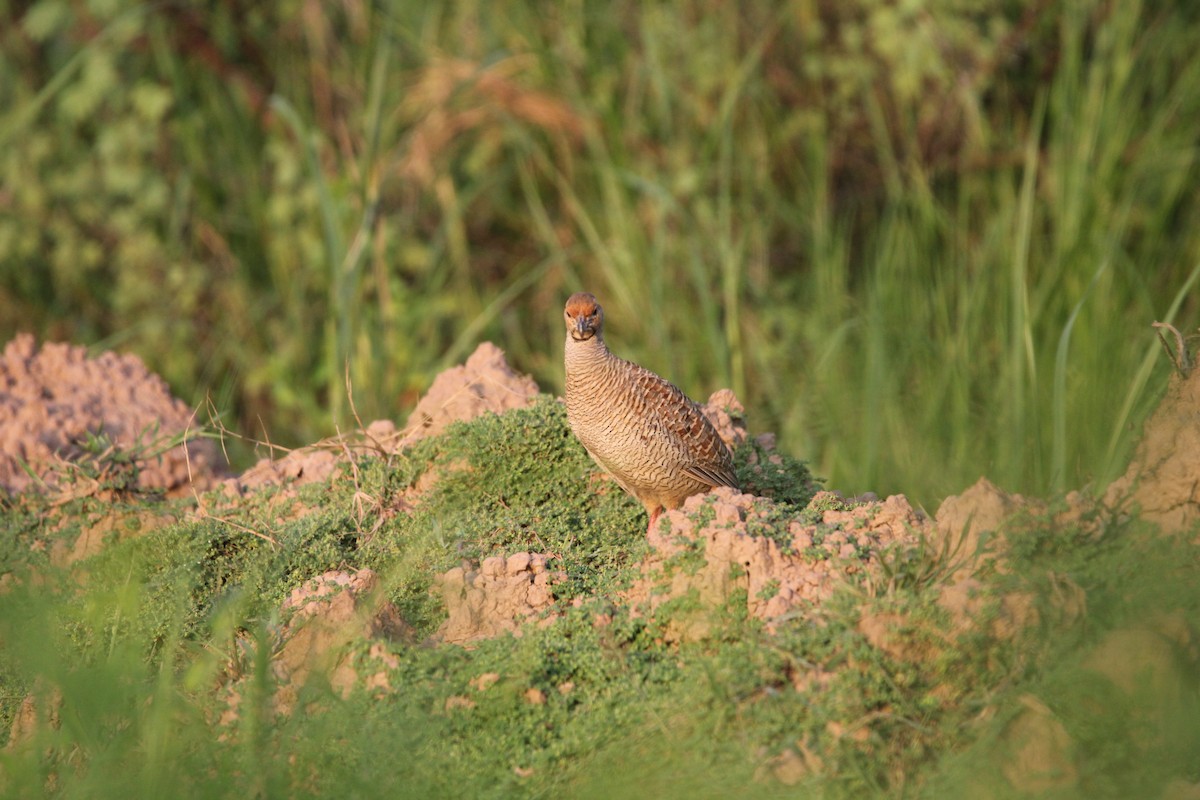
column 641, row 429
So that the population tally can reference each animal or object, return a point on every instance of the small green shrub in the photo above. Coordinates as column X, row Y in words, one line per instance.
column 774, row 474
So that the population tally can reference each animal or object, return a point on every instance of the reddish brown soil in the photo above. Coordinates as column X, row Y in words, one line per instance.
column 53, row 397
column 1162, row 483
column 484, row 383
column 742, row 555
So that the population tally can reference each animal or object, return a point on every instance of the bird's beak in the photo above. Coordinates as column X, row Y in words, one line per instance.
column 582, row 326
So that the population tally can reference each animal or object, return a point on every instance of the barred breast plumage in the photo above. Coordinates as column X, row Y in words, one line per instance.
column 640, row 428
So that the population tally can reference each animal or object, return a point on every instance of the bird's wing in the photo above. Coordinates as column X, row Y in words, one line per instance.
column 696, row 444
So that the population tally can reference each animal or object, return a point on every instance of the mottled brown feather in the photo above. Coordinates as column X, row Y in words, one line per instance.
column 637, row 426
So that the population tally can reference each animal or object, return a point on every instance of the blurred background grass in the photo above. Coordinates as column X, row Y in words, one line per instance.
column 923, row 241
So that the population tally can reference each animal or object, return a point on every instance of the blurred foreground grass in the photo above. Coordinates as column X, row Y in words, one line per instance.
column 923, row 242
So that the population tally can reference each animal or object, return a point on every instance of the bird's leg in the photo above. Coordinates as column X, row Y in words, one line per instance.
column 654, row 515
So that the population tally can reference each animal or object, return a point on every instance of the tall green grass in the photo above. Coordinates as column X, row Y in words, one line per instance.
column 920, row 244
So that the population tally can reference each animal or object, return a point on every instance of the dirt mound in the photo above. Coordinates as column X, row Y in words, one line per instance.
column 484, row 383
column 972, row 519
column 311, row 464
column 718, row 545
column 499, row 597
column 59, row 408
column 728, row 417
column 326, row 615
column 974, row 532
column 1163, row 480
column 725, row 543
column 327, row 621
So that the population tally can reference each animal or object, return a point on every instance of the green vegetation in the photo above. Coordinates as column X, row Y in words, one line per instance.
column 921, row 242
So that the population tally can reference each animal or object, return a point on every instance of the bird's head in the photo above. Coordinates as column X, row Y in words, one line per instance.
column 584, row 316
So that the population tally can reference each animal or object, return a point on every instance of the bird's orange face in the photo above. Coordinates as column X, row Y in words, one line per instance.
column 583, row 315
